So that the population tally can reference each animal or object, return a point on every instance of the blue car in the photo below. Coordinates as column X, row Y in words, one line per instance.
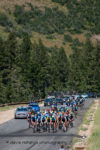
column 48, row 101
column 35, row 106
column 59, row 101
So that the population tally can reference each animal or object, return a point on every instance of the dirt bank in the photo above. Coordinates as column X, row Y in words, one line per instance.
column 9, row 114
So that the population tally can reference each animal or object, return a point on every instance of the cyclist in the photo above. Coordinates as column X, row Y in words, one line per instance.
column 49, row 122
column 60, row 121
column 63, row 122
column 83, row 101
column 33, row 112
column 29, row 119
column 39, row 123
column 71, row 118
column 75, row 110
column 34, row 122
column 53, row 120
column 44, row 122
column 67, row 120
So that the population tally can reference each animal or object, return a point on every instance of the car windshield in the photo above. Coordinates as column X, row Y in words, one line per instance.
column 29, row 108
column 21, row 109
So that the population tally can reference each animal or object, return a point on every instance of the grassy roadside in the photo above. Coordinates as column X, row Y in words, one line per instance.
column 85, row 121
column 90, row 128
column 5, row 108
column 94, row 140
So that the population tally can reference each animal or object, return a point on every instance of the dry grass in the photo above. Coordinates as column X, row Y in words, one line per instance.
column 57, row 41
column 95, row 38
column 5, row 4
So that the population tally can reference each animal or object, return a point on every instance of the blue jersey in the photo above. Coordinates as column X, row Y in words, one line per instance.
column 43, row 118
column 39, row 119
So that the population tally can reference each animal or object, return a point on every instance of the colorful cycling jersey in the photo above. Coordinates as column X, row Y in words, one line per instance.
column 43, row 119
column 71, row 116
column 76, row 108
column 39, row 119
column 48, row 119
column 29, row 116
column 67, row 112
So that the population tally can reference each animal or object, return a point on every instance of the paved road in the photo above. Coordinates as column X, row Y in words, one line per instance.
column 15, row 135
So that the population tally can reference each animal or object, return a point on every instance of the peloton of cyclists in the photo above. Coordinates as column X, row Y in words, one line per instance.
column 54, row 118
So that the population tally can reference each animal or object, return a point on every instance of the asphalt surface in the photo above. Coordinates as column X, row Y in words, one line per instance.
column 15, row 134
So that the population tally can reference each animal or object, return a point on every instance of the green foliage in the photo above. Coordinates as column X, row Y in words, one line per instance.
column 67, row 38
column 76, row 43
column 50, row 37
column 93, row 141
column 45, row 22
column 31, row 70
column 21, row 15
column 5, row 21
column 84, row 74
column 8, row 68
column 62, row 2
column 83, row 15
column 19, row 33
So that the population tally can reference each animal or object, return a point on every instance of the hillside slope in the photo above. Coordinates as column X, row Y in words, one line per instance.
column 57, row 22
column 31, row 63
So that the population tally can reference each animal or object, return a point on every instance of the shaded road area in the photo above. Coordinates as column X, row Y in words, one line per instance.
column 15, row 134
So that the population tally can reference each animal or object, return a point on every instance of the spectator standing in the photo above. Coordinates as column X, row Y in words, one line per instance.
column 69, row 147
column 62, row 147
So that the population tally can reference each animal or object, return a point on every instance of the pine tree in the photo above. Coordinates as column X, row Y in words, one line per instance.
column 8, row 67
column 2, row 67
column 25, row 53
column 89, row 58
column 97, row 68
column 63, row 67
column 41, row 59
column 11, row 50
column 59, row 70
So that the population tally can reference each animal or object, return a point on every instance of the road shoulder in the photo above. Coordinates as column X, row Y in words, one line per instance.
column 86, row 128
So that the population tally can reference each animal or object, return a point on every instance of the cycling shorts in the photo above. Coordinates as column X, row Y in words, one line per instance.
column 43, row 120
column 63, row 119
column 33, row 120
column 48, row 120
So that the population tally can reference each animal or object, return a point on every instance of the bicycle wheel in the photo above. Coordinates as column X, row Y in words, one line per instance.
column 71, row 124
column 33, row 128
column 48, row 127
